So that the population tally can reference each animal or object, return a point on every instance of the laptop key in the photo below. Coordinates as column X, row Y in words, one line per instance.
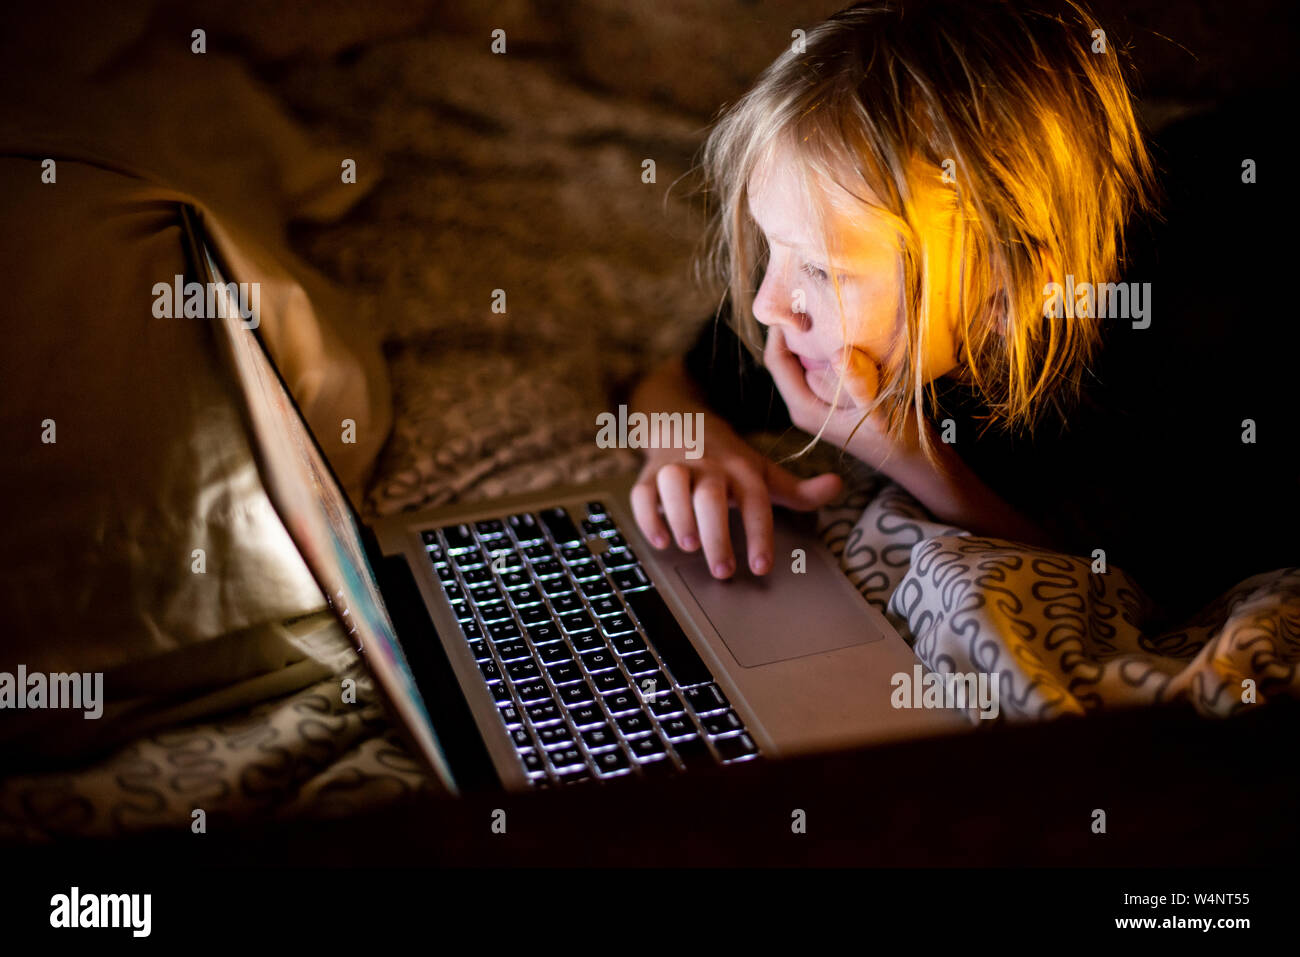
column 666, row 705
column 723, row 724
column 555, row 654
column 555, row 736
column 706, row 699
column 510, row 715
column 471, row 630
column 649, row 748
column 587, row 716
column 566, row 604
column 491, row 528
column 622, row 703
column 640, row 664
column 565, row 673
column 635, row 724
column 512, row 650
column 503, row 630
column 679, row 727
column 574, row 776
column 575, row 554
column 557, row 587
column 604, row 607
column 544, row 634
column 559, row 524
column 534, row 615
column 611, row 763
column 500, row 693
column 480, row 651
column 608, row 682
column 471, row 558
column 476, row 577
column 623, row 558
column 588, row 641
column 525, row 596
column 562, row 758
column 523, row 670
column 693, row 752
column 628, row 644
column 497, row 611
column 459, row 537
column 578, row 621
column 533, row 762
column 548, row 712
column 629, row 578
column 521, row 738
column 585, row 569
column 454, row 591
column 653, row 686
column 446, row 574
column 596, row 588
column 576, row 694
column 533, row 691
column 486, row 594
column 670, row 641
column 597, row 527
column 490, row 671
column 525, row 527
column 538, row 552
column 548, row 568
column 598, row 739
column 738, row 748
column 599, row 660
column 516, row 580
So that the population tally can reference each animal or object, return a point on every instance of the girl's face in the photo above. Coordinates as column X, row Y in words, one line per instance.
column 798, row 294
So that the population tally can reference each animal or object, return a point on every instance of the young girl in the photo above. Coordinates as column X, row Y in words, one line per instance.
column 900, row 203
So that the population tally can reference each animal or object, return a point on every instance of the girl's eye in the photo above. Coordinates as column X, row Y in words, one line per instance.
column 816, row 272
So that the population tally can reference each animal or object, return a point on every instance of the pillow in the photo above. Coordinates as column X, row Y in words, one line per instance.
column 137, row 528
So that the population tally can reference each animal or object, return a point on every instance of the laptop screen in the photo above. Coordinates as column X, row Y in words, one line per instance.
column 319, row 520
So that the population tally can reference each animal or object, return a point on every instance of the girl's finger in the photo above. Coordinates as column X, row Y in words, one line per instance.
column 803, row 495
column 861, row 377
column 674, row 483
column 645, row 509
column 756, row 511
column 786, row 371
column 712, row 514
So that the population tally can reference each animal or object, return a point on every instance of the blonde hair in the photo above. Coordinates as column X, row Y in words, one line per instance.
column 1048, row 158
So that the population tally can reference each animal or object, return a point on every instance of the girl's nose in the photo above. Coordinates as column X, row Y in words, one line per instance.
column 780, row 302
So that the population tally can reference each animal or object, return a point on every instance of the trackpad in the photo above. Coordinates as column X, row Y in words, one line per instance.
column 784, row 614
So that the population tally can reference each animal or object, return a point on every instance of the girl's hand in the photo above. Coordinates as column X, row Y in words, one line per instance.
column 871, row 442
column 697, row 494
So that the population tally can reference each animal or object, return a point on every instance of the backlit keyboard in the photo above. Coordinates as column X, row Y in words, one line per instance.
column 592, row 675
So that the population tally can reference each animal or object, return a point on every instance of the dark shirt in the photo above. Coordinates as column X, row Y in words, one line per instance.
column 1151, row 466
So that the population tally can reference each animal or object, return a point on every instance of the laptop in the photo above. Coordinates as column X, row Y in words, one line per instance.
column 538, row 641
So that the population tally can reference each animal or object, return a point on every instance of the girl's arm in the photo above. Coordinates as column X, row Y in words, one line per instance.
column 954, row 494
